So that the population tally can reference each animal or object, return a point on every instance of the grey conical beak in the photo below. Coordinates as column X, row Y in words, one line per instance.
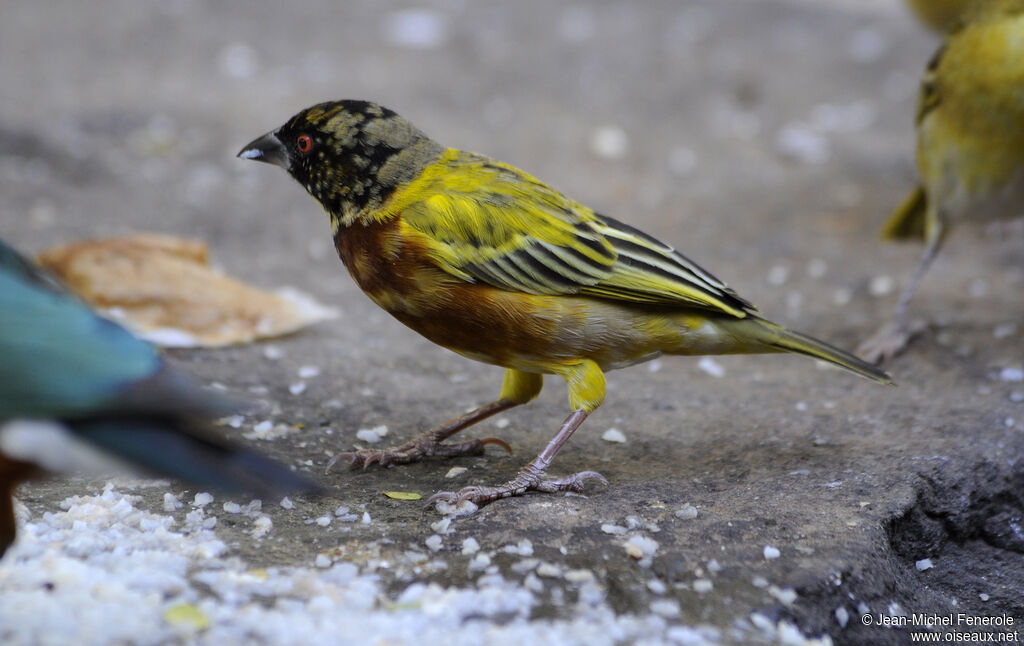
column 267, row 148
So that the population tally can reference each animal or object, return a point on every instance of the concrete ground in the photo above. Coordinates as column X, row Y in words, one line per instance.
column 766, row 139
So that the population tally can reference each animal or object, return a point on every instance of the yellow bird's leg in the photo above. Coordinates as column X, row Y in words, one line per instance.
column 586, row 392
column 893, row 338
column 517, row 388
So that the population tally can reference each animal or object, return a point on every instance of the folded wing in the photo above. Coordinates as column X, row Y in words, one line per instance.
column 492, row 223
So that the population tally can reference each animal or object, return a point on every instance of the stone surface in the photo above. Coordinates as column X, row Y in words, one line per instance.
column 766, row 139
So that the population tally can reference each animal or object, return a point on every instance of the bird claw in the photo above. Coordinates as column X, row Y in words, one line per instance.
column 415, row 451
column 495, row 440
column 572, row 483
column 522, row 483
column 449, row 497
column 338, row 457
column 889, row 341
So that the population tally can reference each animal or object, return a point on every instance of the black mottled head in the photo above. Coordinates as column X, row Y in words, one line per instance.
column 350, row 155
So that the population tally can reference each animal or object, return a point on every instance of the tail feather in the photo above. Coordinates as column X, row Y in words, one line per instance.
column 785, row 340
column 908, row 220
column 179, row 449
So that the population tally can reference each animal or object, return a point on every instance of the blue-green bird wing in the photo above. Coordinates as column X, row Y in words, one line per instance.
column 59, row 358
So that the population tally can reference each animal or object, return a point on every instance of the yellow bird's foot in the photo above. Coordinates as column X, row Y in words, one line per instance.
column 889, row 341
column 424, row 446
column 431, row 443
column 529, row 479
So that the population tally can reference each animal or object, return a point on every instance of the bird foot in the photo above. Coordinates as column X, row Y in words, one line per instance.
column 889, row 341
column 529, row 479
column 426, row 445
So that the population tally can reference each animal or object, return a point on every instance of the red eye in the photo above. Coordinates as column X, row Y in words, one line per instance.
column 304, row 143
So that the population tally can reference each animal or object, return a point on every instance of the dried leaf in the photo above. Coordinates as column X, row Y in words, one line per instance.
column 162, row 288
column 403, row 495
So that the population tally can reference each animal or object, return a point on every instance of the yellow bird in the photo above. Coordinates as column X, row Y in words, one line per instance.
column 970, row 145
column 487, row 261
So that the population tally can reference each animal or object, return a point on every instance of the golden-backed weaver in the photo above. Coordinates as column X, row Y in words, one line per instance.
column 970, row 145
column 487, row 261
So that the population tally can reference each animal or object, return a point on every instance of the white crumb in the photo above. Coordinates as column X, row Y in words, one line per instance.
column 261, row 526
column 842, row 616
column 434, row 542
column 273, row 352
column 613, row 435
column 609, row 142
column 710, row 366
column 234, row 421
column 665, row 607
column 785, row 595
column 579, row 576
column 372, row 435
column 532, row 583
column 418, row 28
column 881, row 285
column 523, row 548
column 1013, row 374
column 442, row 526
column 798, row 141
column 686, row 512
column 641, row 548
column 479, row 562
column 462, row 508
column 470, row 546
